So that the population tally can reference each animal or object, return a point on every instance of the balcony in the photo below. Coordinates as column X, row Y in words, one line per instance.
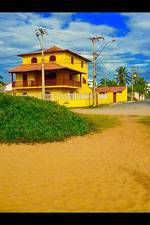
column 50, row 82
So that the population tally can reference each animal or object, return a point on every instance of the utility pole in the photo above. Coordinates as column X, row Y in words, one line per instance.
column 94, row 40
column 40, row 35
column 133, row 76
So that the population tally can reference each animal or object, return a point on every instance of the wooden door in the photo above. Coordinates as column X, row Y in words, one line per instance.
column 114, row 97
column 25, row 83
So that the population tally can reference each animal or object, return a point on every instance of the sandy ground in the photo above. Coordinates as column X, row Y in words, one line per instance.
column 108, row 171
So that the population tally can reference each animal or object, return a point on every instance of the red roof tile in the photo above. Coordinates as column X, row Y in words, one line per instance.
column 110, row 89
column 54, row 49
column 38, row 66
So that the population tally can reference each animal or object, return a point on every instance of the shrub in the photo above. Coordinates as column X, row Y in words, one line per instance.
column 28, row 119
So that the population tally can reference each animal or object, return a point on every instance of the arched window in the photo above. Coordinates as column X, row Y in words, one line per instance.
column 52, row 58
column 34, row 60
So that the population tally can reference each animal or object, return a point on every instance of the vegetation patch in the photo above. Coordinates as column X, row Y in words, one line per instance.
column 28, row 119
column 101, row 122
column 145, row 120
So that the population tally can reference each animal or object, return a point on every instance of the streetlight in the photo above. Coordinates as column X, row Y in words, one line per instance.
column 40, row 32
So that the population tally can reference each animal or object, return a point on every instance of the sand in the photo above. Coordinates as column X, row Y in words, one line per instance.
column 101, row 172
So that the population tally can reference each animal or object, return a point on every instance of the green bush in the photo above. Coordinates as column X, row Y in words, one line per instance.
column 28, row 119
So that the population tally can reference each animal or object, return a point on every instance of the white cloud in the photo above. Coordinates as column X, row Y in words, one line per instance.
column 17, row 36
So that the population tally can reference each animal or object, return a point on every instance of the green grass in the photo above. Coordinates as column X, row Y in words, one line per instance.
column 28, row 119
column 145, row 120
column 101, row 122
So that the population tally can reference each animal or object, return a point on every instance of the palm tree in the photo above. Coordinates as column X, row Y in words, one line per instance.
column 122, row 76
column 107, row 82
column 103, row 82
column 112, row 83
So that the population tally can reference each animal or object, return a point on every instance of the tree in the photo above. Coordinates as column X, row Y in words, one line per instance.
column 140, row 85
column 106, row 82
column 112, row 83
column 122, row 77
column 103, row 82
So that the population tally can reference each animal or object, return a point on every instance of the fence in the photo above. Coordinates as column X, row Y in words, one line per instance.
column 68, row 96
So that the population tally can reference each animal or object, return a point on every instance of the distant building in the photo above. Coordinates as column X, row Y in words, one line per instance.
column 148, row 87
column 8, row 88
column 107, row 95
column 137, row 96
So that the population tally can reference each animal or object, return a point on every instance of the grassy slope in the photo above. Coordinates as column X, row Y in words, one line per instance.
column 26, row 119
column 101, row 122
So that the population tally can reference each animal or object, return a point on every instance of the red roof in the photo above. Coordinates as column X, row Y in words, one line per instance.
column 55, row 49
column 38, row 66
column 110, row 89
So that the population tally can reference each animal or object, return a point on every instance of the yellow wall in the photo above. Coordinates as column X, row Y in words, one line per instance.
column 31, row 76
column 122, row 97
column 57, row 96
column 56, row 93
column 62, row 58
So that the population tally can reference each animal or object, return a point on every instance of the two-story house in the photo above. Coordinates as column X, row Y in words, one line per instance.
column 66, row 77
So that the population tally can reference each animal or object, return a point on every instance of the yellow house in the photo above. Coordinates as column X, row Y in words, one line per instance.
column 107, row 95
column 66, row 76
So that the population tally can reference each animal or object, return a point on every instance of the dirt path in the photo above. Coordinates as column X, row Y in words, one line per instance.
column 109, row 171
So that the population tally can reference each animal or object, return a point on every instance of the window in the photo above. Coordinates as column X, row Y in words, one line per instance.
column 24, row 94
column 34, row 60
column 52, row 58
column 84, row 80
column 72, row 60
column 103, row 95
column 82, row 64
column 51, row 75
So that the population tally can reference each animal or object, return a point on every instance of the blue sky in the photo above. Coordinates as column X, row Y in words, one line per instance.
column 71, row 30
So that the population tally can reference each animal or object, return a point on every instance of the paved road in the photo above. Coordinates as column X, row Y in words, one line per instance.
column 141, row 108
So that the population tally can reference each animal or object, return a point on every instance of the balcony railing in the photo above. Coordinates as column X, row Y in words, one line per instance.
column 50, row 82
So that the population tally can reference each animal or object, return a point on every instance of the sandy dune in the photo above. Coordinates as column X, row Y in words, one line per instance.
column 109, row 171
